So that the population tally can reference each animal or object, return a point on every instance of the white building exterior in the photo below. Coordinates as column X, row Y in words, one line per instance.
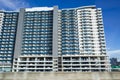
column 52, row 39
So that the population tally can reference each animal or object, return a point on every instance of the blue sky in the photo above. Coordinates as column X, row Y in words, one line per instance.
column 110, row 8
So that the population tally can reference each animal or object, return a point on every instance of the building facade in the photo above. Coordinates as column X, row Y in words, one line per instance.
column 8, row 26
column 115, row 64
column 51, row 39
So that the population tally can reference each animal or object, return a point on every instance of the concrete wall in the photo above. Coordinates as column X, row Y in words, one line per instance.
column 60, row 76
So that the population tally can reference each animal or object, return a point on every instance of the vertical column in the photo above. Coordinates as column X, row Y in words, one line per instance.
column 102, row 42
column 55, row 32
column 55, row 39
column 79, row 24
column 18, row 42
column 101, row 32
column 1, row 20
column 1, row 24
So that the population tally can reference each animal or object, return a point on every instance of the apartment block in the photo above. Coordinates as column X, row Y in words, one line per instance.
column 49, row 39
column 8, row 26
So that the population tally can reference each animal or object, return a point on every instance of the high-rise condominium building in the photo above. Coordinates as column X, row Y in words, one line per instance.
column 44, row 39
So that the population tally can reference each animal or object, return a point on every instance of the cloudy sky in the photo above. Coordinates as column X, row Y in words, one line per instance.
column 110, row 8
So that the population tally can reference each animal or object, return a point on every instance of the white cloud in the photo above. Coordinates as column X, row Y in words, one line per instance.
column 114, row 53
column 13, row 4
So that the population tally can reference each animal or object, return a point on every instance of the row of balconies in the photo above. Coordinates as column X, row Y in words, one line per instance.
column 33, row 64
column 83, row 55
column 36, row 61
column 30, row 68
column 64, row 67
column 64, row 60
column 86, row 68
column 84, row 65
column 84, row 61
column 64, row 56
